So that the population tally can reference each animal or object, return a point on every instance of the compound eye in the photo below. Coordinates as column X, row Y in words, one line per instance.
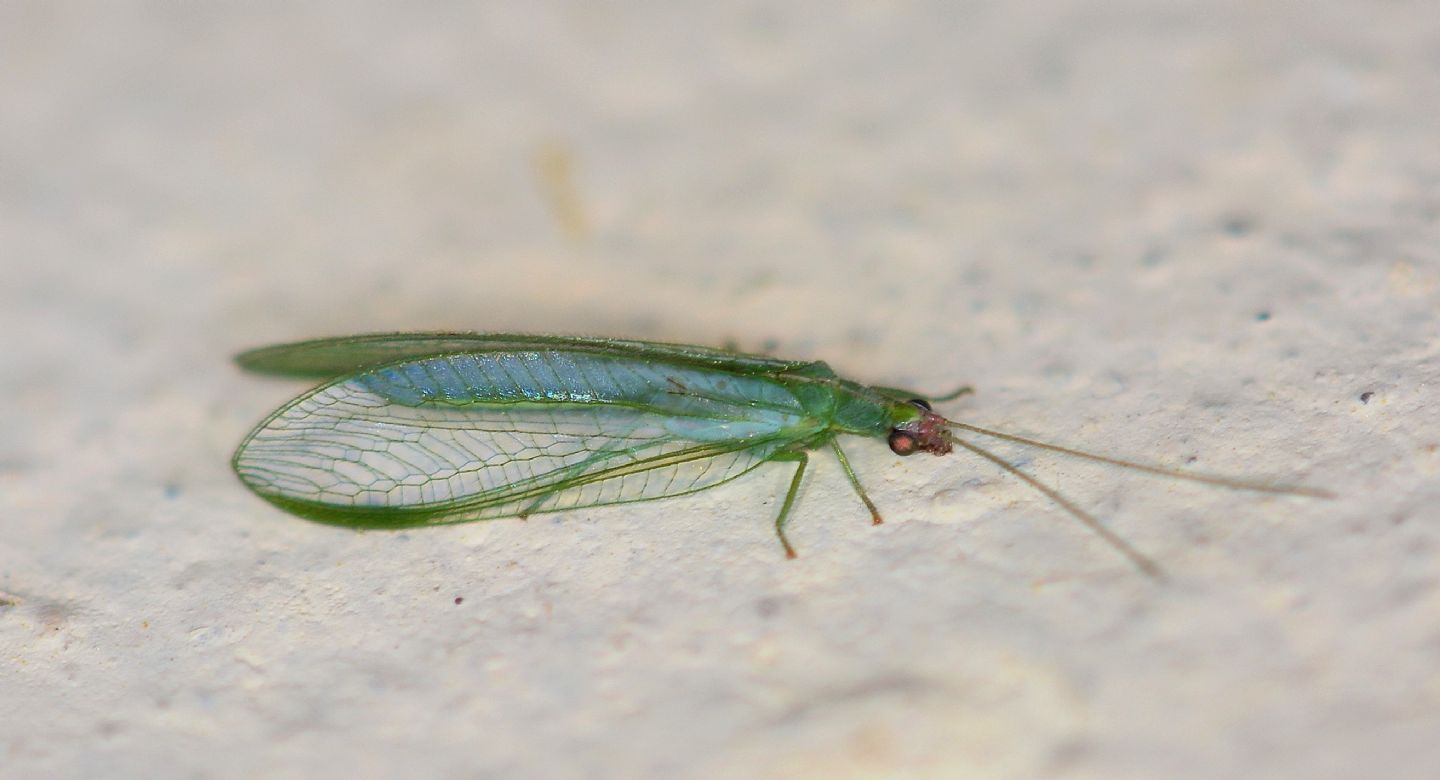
column 919, row 403
column 902, row 443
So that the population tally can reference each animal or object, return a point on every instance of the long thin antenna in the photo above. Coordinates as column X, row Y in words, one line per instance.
column 1193, row 476
column 1144, row 564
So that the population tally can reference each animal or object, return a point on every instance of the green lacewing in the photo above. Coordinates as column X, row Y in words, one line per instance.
column 414, row 429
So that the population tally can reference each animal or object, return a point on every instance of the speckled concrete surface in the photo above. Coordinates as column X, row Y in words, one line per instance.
column 1206, row 234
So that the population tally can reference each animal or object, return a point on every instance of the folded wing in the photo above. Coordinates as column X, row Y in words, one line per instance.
column 478, row 435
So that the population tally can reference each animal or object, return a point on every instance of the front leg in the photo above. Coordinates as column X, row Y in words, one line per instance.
column 855, row 482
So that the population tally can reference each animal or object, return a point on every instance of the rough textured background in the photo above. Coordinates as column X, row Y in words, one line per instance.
column 1201, row 233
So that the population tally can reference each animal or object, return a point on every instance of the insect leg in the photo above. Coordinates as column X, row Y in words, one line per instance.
column 901, row 394
column 855, row 482
column 953, row 394
column 525, row 513
column 800, row 459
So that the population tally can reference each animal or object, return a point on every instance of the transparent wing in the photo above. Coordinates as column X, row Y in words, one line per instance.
column 332, row 357
column 469, row 437
column 674, row 472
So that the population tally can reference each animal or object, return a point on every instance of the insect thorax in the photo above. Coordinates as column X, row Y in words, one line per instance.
column 857, row 410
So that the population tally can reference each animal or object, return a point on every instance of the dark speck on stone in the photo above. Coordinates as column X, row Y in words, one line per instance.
column 459, row 599
column 1366, row 396
column 1239, row 226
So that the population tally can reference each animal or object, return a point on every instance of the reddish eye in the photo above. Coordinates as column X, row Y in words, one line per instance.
column 902, row 443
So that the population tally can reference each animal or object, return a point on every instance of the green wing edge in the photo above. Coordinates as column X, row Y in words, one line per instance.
column 494, row 507
column 327, row 358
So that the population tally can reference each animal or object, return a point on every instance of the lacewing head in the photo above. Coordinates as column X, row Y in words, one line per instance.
column 917, row 429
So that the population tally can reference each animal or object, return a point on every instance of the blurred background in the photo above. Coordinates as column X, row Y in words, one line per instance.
column 1199, row 233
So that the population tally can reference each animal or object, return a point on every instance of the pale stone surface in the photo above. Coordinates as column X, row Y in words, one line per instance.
column 1199, row 233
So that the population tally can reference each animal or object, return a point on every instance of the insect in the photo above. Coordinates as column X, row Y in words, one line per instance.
column 433, row 428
